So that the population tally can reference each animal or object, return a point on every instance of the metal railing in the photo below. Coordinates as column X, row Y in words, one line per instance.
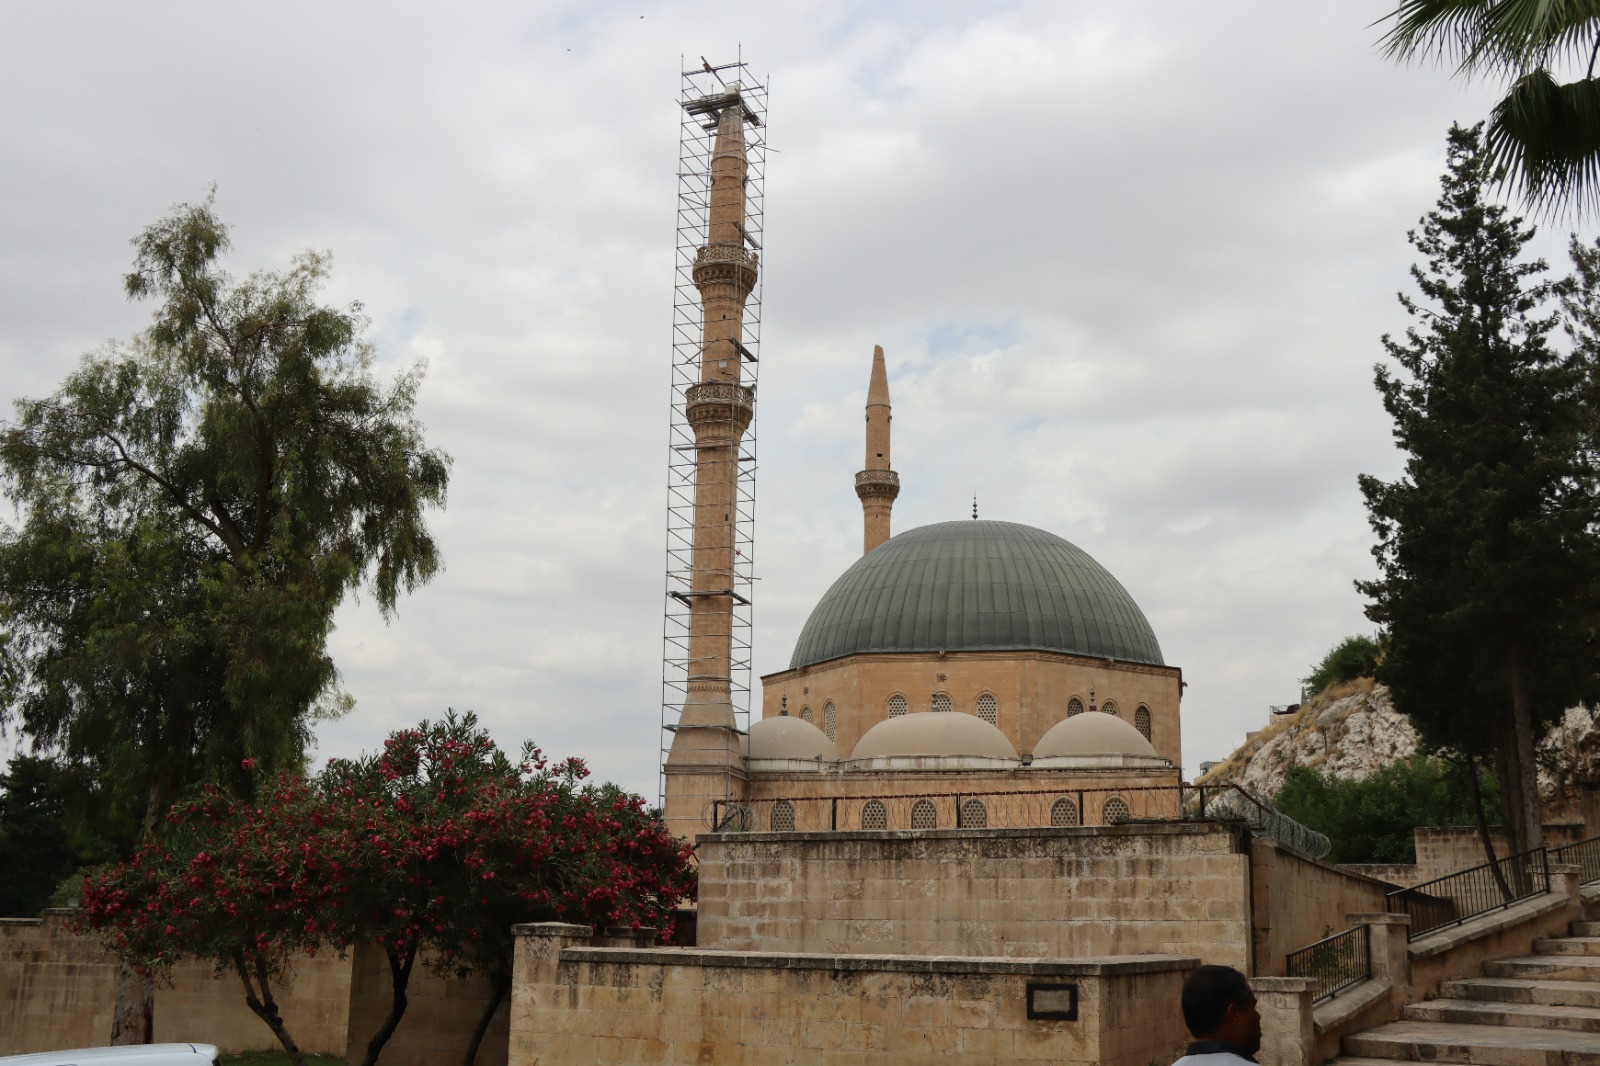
column 1585, row 855
column 1336, row 963
column 1453, row 898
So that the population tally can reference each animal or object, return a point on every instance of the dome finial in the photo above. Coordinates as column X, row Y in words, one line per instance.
column 974, row 506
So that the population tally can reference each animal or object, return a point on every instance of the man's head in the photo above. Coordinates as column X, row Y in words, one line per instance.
column 1218, row 1005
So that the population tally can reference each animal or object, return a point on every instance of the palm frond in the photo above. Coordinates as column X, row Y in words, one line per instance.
column 1502, row 36
column 1442, row 30
column 1545, row 135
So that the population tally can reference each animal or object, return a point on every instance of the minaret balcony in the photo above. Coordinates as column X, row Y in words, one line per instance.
column 726, row 262
column 719, row 402
column 877, row 483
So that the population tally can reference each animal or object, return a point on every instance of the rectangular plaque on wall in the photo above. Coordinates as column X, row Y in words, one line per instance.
column 1052, row 1003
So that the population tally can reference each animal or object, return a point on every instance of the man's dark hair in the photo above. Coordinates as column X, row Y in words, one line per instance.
column 1206, row 995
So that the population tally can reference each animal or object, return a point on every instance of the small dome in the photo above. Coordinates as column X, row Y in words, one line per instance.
column 1094, row 733
column 934, row 733
column 784, row 737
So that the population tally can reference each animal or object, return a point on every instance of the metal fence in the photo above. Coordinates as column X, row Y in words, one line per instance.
column 1468, row 893
column 1336, row 963
column 1585, row 855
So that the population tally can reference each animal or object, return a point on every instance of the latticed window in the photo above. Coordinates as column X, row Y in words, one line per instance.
column 1074, row 706
column 1109, row 706
column 1141, row 720
column 973, row 815
column 783, row 817
column 875, row 815
column 897, row 705
column 827, row 719
column 806, row 715
column 1063, row 813
column 941, row 701
column 987, row 708
column 924, row 815
column 1114, row 811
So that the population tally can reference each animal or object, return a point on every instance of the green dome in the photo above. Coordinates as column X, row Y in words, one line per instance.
column 977, row 586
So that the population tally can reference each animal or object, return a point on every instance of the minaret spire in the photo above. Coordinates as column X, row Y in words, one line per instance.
column 877, row 485
column 704, row 763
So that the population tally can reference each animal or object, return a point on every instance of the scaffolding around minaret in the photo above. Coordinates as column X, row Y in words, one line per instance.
column 711, row 465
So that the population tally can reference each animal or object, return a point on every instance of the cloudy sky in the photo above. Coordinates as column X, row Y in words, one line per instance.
column 1130, row 263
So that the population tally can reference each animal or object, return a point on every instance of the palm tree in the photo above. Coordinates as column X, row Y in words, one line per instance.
column 1544, row 135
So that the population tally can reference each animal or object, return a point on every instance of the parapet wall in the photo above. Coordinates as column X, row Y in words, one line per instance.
column 1021, row 893
column 614, row 1006
column 1300, row 900
column 57, row 990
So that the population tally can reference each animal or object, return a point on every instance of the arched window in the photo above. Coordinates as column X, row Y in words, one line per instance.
column 987, row 708
column 973, row 815
column 1114, row 811
column 1141, row 720
column 1074, row 706
column 827, row 719
column 1063, row 813
column 783, row 817
column 805, row 715
column 874, row 815
column 924, row 815
column 941, row 702
column 897, row 705
column 1110, row 707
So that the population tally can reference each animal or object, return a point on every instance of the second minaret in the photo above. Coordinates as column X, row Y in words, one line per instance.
column 877, row 485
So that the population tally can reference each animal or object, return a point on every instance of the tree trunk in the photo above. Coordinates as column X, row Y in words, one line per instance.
column 133, row 1015
column 400, row 978
column 502, row 985
column 1483, row 830
column 1529, row 811
column 133, row 1019
column 258, row 995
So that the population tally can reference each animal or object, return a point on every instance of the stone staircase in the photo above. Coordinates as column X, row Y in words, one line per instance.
column 1532, row 1010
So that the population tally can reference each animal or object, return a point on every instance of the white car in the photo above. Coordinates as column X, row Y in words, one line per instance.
column 133, row 1054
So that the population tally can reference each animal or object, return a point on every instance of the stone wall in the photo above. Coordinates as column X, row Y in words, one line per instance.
column 57, row 990
column 441, row 1013
column 609, row 1006
column 1057, row 893
column 1031, row 690
column 1299, row 900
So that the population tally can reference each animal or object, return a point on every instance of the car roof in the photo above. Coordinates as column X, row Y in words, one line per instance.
column 144, row 1054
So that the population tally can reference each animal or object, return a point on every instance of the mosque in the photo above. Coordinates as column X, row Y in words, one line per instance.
column 966, row 674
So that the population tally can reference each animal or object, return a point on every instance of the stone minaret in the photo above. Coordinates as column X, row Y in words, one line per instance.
column 704, row 764
column 877, row 485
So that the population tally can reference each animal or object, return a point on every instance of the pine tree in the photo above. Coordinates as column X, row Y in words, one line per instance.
column 1486, row 547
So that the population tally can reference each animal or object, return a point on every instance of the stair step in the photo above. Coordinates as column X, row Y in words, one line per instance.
column 1525, row 990
column 1480, row 1045
column 1548, row 967
column 1567, row 945
column 1518, row 1015
column 1584, row 928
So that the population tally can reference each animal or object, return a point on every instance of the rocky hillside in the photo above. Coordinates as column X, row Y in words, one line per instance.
column 1352, row 729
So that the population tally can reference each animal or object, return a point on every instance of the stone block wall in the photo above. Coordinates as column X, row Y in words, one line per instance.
column 610, row 1006
column 1056, row 893
column 441, row 1013
column 1299, row 900
column 57, row 991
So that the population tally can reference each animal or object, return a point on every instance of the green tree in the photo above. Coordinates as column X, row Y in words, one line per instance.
column 193, row 507
column 51, row 826
column 1347, row 660
column 1486, row 553
column 1371, row 818
column 1544, row 134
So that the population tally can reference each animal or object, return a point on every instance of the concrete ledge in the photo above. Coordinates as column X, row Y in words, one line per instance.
column 551, row 929
column 773, row 960
column 1348, row 1004
column 1487, row 924
column 23, row 922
